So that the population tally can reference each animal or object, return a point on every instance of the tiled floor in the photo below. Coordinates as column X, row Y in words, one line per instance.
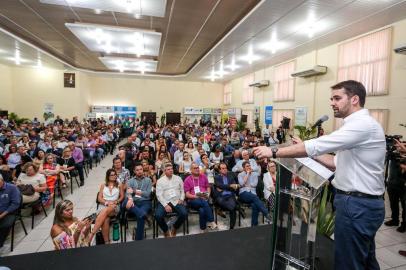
column 388, row 240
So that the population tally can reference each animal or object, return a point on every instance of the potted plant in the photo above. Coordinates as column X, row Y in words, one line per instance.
column 306, row 132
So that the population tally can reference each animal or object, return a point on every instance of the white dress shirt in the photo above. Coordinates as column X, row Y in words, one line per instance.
column 360, row 153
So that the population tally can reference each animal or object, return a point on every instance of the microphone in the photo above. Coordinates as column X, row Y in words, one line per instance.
column 322, row 119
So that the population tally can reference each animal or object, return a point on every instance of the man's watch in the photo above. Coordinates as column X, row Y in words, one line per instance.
column 274, row 150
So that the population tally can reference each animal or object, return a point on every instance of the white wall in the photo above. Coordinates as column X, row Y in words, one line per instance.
column 314, row 93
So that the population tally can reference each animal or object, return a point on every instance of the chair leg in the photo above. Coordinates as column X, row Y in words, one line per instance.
column 187, row 225
column 12, row 237
column 32, row 217
column 239, row 219
column 71, row 185
column 23, row 225
column 43, row 209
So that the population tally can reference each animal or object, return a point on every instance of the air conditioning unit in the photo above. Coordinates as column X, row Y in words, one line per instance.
column 262, row 83
column 316, row 70
column 401, row 49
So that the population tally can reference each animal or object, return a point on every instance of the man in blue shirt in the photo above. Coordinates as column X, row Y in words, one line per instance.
column 248, row 180
column 9, row 203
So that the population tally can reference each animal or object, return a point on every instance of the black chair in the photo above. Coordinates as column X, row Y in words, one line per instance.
column 59, row 190
column 113, row 220
column 19, row 218
column 34, row 205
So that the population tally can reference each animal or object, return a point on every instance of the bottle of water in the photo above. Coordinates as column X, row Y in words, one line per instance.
column 116, row 231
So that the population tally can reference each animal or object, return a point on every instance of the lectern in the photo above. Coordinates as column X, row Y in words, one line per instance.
column 298, row 195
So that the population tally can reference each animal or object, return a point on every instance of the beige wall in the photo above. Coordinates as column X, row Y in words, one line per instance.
column 32, row 88
column 26, row 90
column 159, row 96
column 6, row 97
column 314, row 93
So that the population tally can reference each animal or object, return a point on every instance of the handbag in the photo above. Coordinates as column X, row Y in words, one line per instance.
column 27, row 190
column 99, row 238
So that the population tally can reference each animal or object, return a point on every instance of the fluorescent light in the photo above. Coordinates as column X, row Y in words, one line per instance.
column 155, row 8
column 129, row 64
column 250, row 57
column 17, row 57
column 108, row 39
column 233, row 66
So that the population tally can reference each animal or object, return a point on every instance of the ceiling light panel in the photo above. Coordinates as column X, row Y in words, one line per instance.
column 155, row 8
column 112, row 39
column 129, row 64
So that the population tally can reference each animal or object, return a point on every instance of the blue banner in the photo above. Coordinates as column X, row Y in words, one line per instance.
column 268, row 115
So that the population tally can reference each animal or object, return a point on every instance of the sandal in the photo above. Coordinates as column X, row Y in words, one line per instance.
column 64, row 185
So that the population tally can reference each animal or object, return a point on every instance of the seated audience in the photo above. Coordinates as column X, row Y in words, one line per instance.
column 248, row 180
column 68, row 231
column 197, row 190
column 138, row 200
column 51, row 171
column 32, row 178
column 226, row 187
column 109, row 198
column 9, row 204
column 171, row 196
column 238, row 167
column 269, row 184
column 66, row 164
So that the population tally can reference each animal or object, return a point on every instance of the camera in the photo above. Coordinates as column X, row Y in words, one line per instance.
column 390, row 141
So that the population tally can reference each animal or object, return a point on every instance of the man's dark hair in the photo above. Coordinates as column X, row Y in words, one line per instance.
column 245, row 163
column 352, row 88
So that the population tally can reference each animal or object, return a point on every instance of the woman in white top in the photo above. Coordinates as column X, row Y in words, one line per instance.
column 269, row 184
column 33, row 178
column 185, row 164
column 216, row 157
column 109, row 198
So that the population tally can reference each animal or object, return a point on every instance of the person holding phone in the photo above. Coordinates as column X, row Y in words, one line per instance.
column 68, row 231
column 197, row 191
column 109, row 198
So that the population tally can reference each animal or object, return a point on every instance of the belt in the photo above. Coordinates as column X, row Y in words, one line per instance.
column 359, row 194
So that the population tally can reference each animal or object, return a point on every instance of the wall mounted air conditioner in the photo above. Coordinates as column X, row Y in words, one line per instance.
column 316, row 70
column 401, row 49
column 262, row 83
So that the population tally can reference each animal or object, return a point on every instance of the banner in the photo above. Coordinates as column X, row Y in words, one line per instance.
column 301, row 116
column 268, row 115
column 48, row 111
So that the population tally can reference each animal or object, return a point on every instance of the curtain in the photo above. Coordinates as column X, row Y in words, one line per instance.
column 248, row 92
column 366, row 59
column 227, row 94
column 284, row 84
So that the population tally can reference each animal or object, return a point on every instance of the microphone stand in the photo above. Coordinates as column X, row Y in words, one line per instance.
column 318, row 130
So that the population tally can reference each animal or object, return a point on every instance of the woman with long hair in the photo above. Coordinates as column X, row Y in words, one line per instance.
column 67, row 165
column 109, row 198
column 68, row 231
column 51, row 171
column 269, row 184
column 163, row 149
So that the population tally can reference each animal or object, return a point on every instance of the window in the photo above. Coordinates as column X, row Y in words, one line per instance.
column 366, row 60
column 248, row 91
column 227, row 95
column 380, row 115
column 250, row 117
column 284, row 84
column 277, row 116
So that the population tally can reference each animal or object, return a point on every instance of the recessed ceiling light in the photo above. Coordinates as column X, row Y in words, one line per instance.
column 250, row 57
column 155, row 8
column 129, row 64
column 108, row 39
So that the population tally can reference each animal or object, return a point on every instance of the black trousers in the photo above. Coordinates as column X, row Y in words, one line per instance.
column 397, row 194
column 79, row 167
column 228, row 203
column 5, row 226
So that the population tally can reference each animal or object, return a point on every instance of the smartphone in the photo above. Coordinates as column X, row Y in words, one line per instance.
column 91, row 217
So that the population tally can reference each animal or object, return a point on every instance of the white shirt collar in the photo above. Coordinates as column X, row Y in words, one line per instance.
column 355, row 114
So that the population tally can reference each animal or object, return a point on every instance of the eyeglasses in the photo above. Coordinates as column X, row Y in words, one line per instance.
column 113, row 175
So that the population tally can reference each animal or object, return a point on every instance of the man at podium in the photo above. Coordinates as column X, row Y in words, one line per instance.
column 359, row 174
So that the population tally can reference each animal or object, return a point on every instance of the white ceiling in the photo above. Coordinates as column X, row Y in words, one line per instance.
column 290, row 20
